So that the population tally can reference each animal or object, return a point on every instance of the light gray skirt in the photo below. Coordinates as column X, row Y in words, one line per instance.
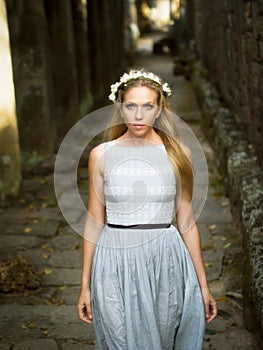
column 144, row 291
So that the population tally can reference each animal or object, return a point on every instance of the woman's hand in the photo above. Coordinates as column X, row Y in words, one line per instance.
column 84, row 305
column 210, row 304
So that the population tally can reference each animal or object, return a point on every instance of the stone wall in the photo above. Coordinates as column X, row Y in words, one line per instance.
column 229, row 40
column 243, row 174
column 228, row 37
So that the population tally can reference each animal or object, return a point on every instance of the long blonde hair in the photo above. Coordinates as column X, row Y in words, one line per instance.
column 164, row 126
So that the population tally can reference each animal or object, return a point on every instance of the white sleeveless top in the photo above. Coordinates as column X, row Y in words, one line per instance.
column 139, row 184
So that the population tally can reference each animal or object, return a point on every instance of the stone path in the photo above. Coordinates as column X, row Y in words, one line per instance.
column 45, row 318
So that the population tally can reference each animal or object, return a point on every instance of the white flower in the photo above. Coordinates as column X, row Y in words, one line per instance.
column 114, row 87
column 133, row 75
column 166, row 89
column 112, row 96
column 124, row 78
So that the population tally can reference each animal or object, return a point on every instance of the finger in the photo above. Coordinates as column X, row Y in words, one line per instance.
column 210, row 319
column 213, row 312
column 207, row 311
column 89, row 311
column 83, row 314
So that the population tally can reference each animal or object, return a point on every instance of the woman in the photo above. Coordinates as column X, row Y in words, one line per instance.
column 143, row 283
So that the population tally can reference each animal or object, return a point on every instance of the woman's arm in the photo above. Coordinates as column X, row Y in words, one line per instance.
column 191, row 239
column 190, row 234
column 92, row 229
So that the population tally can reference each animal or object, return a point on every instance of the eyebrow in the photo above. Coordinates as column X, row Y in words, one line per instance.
column 145, row 103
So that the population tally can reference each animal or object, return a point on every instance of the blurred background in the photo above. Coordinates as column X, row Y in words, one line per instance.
column 58, row 59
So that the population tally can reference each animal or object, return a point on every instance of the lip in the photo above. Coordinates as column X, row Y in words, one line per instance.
column 138, row 126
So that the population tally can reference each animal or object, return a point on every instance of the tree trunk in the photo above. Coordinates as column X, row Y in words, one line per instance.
column 32, row 75
column 9, row 148
column 59, row 15
column 79, row 9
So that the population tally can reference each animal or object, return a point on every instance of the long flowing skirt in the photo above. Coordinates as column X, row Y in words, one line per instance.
column 144, row 291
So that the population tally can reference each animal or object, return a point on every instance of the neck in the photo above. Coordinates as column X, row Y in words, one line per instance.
column 151, row 138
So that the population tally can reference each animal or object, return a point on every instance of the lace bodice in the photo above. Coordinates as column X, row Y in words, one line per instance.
column 139, row 184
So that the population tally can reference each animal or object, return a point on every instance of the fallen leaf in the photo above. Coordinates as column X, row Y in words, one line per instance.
column 54, row 301
column 27, row 229
column 30, row 207
column 45, row 331
column 223, row 299
column 208, row 264
column 224, row 203
column 212, row 227
column 208, row 247
column 23, row 222
column 32, row 325
column 47, row 271
column 23, row 326
column 45, row 256
column 62, row 287
column 44, row 205
column 227, row 245
column 43, row 181
column 46, row 247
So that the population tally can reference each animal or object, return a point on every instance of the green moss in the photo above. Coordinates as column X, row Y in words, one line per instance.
column 216, row 182
column 31, row 158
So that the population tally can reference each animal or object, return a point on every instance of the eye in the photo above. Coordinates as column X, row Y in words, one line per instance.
column 148, row 106
column 130, row 106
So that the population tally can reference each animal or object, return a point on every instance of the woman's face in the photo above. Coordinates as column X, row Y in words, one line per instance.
column 139, row 110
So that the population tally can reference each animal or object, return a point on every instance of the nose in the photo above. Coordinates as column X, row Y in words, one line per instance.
column 138, row 115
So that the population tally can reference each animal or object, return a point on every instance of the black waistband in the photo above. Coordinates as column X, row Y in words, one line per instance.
column 141, row 226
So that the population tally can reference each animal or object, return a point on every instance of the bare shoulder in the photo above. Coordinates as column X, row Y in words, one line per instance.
column 96, row 156
column 97, row 152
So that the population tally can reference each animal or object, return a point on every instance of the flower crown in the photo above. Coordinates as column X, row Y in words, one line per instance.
column 133, row 75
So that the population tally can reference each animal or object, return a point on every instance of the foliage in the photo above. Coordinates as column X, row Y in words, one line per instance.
column 31, row 158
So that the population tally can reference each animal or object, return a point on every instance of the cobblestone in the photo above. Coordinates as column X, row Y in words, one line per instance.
column 41, row 344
